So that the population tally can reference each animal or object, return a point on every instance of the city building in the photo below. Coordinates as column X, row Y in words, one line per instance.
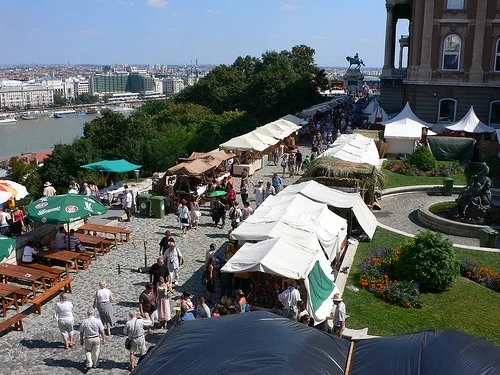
column 24, row 97
column 453, row 59
column 173, row 85
column 109, row 83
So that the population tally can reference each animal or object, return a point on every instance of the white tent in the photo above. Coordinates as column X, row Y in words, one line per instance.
column 408, row 118
column 470, row 124
column 336, row 198
column 295, row 120
column 378, row 113
column 371, row 107
column 263, row 138
column 244, row 143
column 294, row 217
column 287, row 258
column 355, row 148
column 271, row 132
column 287, row 124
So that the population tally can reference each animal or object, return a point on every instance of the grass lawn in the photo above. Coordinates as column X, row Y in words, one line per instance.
column 467, row 306
column 397, row 179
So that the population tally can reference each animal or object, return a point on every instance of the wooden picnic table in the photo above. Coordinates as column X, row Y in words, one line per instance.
column 97, row 242
column 65, row 256
column 31, row 275
column 7, row 291
column 117, row 232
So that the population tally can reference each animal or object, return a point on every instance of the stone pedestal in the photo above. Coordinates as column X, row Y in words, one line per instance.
column 353, row 80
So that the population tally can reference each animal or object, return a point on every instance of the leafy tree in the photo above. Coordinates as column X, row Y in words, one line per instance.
column 25, row 174
column 86, row 98
column 430, row 260
column 59, row 100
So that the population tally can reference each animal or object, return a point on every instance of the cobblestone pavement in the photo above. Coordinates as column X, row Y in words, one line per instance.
column 399, row 211
column 39, row 349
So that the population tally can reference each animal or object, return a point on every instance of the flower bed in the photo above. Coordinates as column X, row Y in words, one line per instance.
column 441, row 170
column 480, row 275
column 375, row 276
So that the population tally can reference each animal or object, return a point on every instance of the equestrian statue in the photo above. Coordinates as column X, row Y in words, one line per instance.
column 356, row 61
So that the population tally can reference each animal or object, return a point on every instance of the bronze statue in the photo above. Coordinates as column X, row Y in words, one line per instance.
column 474, row 203
column 355, row 61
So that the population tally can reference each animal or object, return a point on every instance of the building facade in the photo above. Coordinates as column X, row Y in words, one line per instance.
column 25, row 97
column 453, row 59
column 173, row 85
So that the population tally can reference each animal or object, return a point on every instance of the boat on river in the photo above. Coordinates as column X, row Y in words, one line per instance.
column 7, row 120
column 67, row 113
column 29, row 117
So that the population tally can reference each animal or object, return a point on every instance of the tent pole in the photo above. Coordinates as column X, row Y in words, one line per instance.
column 349, row 359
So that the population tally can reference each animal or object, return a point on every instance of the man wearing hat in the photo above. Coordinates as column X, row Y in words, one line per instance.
column 289, row 299
column 48, row 190
column 340, row 313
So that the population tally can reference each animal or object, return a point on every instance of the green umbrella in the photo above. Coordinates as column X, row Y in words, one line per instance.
column 64, row 208
column 217, row 193
column 7, row 246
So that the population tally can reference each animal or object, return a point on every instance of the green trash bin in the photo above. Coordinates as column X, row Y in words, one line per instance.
column 145, row 204
column 157, row 206
column 488, row 237
column 448, row 186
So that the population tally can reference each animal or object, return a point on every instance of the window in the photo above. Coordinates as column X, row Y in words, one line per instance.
column 447, row 109
column 495, row 113
column 455, row 4
column 451, row 53
column 497, row 56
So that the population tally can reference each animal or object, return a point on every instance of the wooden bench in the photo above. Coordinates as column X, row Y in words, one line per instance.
column 15, row 320
column 54, row 289
column 43, row 267
column 85, row 259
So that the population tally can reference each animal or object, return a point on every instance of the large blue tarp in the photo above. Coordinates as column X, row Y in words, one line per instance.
column 116, row 166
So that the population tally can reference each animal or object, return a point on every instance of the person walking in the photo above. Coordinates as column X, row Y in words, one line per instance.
column 246, row 211
column 340, row 314
column 298, row 161
column 147, row 303
column 163, row 291
column 289, row 299
column 48, row 190
column 63, row 314
column 173, row 259
column 208, row 278
column 195, row 213
column 276, row 181
column 102, row 302
column 269, row 190
column 283, row 164
column 259, row 193
column 184, row 216
column 91, row 330
column 244, row 191
column 127, row 203
column 134, row 330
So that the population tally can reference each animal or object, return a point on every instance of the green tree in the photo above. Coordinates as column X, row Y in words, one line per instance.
column 430, row 260
column 59, row 100
column 86, row 98
column 25, row 174
column 423, row 159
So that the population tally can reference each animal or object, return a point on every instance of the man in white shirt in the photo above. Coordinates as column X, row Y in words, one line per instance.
column 340, row 314
column 259, row 193
column 134, row 330
column 60, row 241
column 28, row 252
column 48, row 190
column 90, row 330
column 289, row 299
column 86, row 190
column 127, row 203
column 173, row 260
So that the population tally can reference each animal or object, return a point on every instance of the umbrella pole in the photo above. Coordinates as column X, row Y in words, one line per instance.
column 69, row 239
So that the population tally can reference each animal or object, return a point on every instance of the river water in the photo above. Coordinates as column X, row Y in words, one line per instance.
column 40, row 134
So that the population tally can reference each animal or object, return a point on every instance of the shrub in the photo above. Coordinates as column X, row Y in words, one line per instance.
column 481, row 275
column 423, row 159
column 430, row 260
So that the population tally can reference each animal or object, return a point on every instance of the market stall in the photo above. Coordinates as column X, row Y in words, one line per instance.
column 355, row 148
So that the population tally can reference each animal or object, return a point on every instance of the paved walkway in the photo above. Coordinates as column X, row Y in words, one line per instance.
column 39, row 349
column 400, row 211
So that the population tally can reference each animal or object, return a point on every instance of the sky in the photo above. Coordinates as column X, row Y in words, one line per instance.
column 180, row 31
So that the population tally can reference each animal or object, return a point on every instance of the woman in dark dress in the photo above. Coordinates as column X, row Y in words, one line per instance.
column 147, row 303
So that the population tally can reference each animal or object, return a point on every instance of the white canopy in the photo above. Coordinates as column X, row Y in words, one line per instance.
column 378, row 113
column 355, row 148
column 407, row 117
column 336, row 198
column 295, row 120
column 470, row 124
column 245, row 143
column 371, row 107
column 263, row 138
column 276, row 256
column 271, row 132
column 294, row 217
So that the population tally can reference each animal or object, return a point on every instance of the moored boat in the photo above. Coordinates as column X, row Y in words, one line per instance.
column 7, row 120
column 29, row 117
